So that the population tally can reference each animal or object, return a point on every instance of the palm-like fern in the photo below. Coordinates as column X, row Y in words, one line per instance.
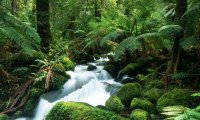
column 155, row 41
column 181, row 113
column 19, row 32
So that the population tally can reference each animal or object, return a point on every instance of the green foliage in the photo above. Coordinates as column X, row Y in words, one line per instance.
column 21, row 33
column 189, row 43
column 179, row 75
column 171, row 30
column 128, row 92
column 114, row 104
column 111, row 36
column 3, row 117
column 79, row 111
column 139, row 114
column 155, row 41
column 181, row 113
column 68, row 64
column 142, row 103
column 31, row 104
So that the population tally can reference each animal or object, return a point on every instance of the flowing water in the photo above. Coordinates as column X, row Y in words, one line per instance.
column 92, row 87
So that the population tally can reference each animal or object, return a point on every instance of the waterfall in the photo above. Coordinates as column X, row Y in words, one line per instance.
column 84, row 86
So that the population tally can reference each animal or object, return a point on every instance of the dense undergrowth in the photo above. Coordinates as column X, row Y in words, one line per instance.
column 154, row 42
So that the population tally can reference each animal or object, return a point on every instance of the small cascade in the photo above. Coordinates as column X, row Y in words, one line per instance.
column 92, row 87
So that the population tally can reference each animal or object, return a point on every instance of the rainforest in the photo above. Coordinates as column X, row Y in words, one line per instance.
column 99, row 59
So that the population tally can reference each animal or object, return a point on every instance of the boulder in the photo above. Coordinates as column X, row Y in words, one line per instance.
column 177, row 97
column 139, row 114
column 114, row 104
column 128, row 92
column 79, row 111
column 153, row 94
column 154, row 84
column 91, row 67
column 142, row 103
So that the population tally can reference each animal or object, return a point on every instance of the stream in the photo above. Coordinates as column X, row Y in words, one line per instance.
column 92, row 87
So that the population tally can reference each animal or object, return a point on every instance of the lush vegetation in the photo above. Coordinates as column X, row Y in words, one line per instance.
column 156, row 42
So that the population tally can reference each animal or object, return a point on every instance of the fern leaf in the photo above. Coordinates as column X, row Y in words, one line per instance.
column 196, row 94
column 170, row 29
column 179, row 75
column 23, row 34
column 111, row 36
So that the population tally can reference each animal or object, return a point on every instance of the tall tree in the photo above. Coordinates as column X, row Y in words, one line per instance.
column 43, row 25
column 14, row 7
column 181, row 7
column 173, row 66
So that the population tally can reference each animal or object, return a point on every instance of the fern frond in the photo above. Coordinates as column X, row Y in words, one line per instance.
column 153, row 40
column 179, row 75
column 23, row 34
column 193, row 6
column 21, row 70
column 111, row 36
column 196, row 94
column 170, row 30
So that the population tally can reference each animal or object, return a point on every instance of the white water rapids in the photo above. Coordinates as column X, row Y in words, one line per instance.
column 92, row 87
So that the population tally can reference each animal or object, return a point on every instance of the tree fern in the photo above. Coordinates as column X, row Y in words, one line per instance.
column 170, row 30
column 111, row 36
column 155, row 41
column 19, row 32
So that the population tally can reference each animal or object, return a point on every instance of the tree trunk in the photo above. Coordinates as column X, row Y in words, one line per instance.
column 173, row 66
column 181, row 7
column 14, row 7
column 97, row 11
column 43, row 25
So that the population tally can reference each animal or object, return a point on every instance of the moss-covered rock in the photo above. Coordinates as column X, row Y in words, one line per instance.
column 154, row 84
column 153, row 94
column 3, row 117
column 101, row 107
column 142, row 103
column 128, row 92
column 129, row 69
column 139, row 114
column 68, row 63
column 111, row 69
column 91, row 67
column 79, row 111
column 32, row 102
column 177, row 97
column 114, row 104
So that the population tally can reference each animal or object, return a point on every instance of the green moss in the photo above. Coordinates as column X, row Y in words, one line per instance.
column 176, row 97
column 3, row 117
column 142, row 103
column 30, row 105
column 79, row 111
column 154, row 84
column 153, row 94
column 114, row 104
column 91, row 67
column 128, row 92
column 139, row 114
column 68, row 64
column 130, row 68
